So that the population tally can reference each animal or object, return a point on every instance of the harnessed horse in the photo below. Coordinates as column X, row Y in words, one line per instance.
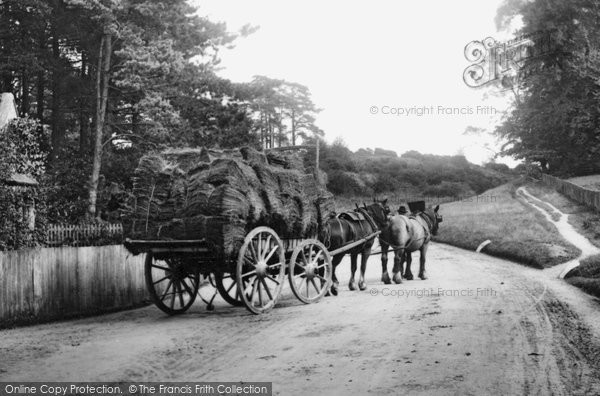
column 407, row 234
column 349, row 227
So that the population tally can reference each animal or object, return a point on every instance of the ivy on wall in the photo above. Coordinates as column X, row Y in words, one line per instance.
column 23, row 150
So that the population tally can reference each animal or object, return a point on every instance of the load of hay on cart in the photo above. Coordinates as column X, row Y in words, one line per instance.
column 244, row 219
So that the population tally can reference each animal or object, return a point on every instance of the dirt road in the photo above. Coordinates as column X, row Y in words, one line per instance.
column 478, row 325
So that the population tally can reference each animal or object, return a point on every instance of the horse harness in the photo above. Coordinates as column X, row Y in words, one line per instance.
column 427, row 229
column 357, row 216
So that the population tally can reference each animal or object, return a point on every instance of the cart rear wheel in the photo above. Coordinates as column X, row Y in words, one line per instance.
column 310, row 271
column 226, row 285
column 173, row 283
column 260, row 270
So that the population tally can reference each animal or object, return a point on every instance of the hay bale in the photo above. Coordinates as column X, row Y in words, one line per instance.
column 222, row 200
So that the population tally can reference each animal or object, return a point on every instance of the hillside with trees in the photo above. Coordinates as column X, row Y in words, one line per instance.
column 369, row 172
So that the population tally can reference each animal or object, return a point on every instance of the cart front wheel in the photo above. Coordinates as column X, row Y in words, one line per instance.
column 260, row 270
column 173, row 283
column 310, row 271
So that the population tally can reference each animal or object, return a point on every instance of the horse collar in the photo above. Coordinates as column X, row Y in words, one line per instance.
column 427, row 219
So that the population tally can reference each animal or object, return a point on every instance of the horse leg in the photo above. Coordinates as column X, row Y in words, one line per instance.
column 397, row 270
column 362, row 285
column 334, row 281
column 385, row 277
column 352, row 283
column 422, row 261
column 408, row 273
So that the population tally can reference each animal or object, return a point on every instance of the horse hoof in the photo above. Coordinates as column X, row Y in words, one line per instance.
column 385, row 278
column 352, row 286
column 362, row 285
column 333, row 291
column 422, row 276
column 408, row 276
column 398, row 278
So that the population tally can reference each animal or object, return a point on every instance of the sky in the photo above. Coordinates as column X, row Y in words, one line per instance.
column 373, row 67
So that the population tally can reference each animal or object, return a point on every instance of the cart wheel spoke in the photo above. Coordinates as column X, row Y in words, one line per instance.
column 316, row 259
column 180, row 295
column 272, row 279
column 315, row 286
column 264, row 283
column 275, row 265
column 186, row 286
column 260, row 301
column 161, row 268
column 259, row 246
column 266, row 245
column 253, row 292
column 160, row 280
column 167, row 290
column 271, row 253
column 253, row 252
column 304, row 260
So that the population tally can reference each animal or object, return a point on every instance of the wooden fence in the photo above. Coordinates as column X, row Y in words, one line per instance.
column 57, row 283
column 83, row 235
column 590, row 198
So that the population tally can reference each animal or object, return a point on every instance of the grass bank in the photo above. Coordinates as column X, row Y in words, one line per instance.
column 587, row 275
column 587, row 222
column 517, row 231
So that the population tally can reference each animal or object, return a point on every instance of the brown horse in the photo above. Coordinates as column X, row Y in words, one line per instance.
column 407, row 234
column 349, row 227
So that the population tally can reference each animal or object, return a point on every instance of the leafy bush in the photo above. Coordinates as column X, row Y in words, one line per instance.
column 23, row 150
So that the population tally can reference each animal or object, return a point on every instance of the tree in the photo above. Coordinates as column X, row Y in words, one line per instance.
column 556, row 120
column 284, row 111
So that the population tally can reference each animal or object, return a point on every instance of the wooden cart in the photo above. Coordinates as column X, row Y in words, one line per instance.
column 174, row 270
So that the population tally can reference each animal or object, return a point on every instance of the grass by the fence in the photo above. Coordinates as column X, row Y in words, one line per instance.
column 591, row 182
column 517, row 232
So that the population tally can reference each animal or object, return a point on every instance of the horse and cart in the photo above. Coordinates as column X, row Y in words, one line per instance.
column 251, row 272
column 174, row 269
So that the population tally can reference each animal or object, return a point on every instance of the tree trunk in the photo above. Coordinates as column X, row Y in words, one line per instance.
column 101, row 103
column 84, row 118
column 40, row 97
column 41, row 83
column 57, row 132
column 293, row 128
column 24, row 93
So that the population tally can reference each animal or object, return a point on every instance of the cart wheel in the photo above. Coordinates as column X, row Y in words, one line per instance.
column 260, row 270
column 310, row 271
column 226, row 285
column 172, row 283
